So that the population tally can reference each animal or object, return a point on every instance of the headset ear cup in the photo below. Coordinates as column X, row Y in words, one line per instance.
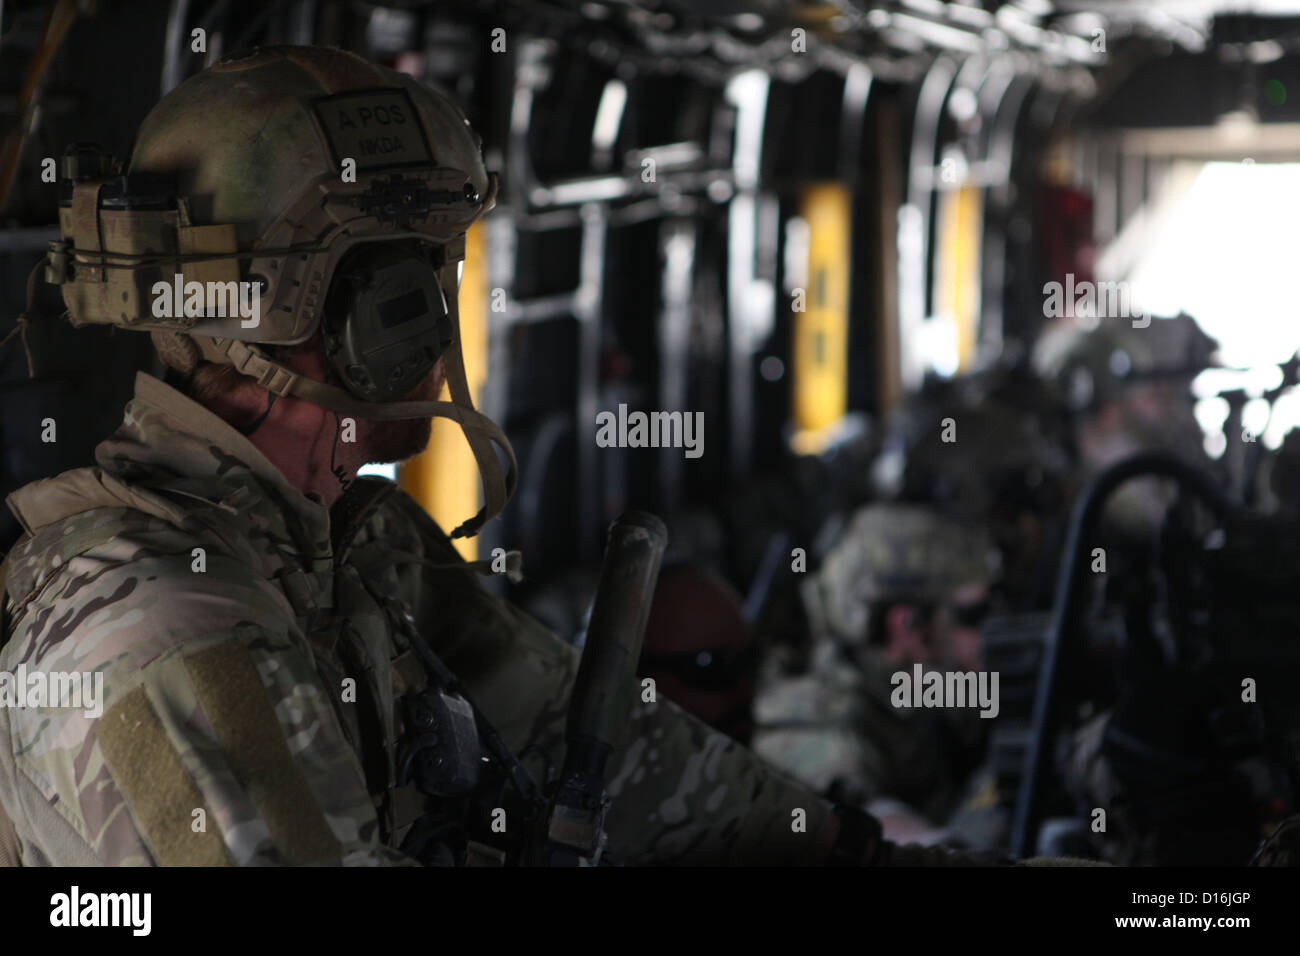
column 177, row 350
column 372, row 345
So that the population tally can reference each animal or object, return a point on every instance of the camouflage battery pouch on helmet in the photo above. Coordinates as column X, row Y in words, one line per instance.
column 130, row 254
column 122, row 235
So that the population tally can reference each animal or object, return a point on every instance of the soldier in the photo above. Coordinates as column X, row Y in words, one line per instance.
column 1128, row 390
column 977, row 458
column 905, row 586
column 266, row 625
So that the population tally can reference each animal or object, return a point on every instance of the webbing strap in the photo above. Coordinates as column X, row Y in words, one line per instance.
column 85, row 219
column 480, row 431
column 495, row 491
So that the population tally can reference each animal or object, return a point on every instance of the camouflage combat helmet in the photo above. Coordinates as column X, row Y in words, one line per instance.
column 268, row 168
column 894, row 552
column 1089, row 366
column 971, row 456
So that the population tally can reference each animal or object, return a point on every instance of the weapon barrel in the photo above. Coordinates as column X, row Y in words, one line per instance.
column 606, row 676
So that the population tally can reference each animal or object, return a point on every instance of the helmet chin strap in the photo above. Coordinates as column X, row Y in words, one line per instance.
column 479, row 430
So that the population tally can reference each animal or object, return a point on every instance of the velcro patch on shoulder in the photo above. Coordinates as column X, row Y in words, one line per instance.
column 156, row 785
column 237, row 705
column 377, row 128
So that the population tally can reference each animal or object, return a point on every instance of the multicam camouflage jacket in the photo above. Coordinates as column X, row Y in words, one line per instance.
column 836, row 730
column 222, row 671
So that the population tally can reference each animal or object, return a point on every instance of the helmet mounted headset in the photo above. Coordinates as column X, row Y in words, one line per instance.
column 342, row 189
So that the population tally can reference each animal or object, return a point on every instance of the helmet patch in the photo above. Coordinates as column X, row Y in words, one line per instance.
column 377, row 128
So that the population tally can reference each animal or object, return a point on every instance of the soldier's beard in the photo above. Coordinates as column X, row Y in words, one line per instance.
column 394, row 441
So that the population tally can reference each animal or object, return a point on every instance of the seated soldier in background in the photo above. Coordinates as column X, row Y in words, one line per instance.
column 1128, row 390
column 958, row 447
column 904, row 586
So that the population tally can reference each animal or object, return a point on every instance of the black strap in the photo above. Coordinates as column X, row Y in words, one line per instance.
column 257, row 422
column 353, row 509
column 441, row 675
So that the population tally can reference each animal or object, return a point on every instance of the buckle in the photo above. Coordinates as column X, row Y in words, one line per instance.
column 56, row 262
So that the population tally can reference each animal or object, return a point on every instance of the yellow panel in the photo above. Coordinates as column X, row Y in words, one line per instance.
column 957, row 269
column 821, row 332
column 444, row 478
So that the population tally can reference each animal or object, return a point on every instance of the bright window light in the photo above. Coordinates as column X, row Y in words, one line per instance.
column 1227, row 254
column 1226, row 251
